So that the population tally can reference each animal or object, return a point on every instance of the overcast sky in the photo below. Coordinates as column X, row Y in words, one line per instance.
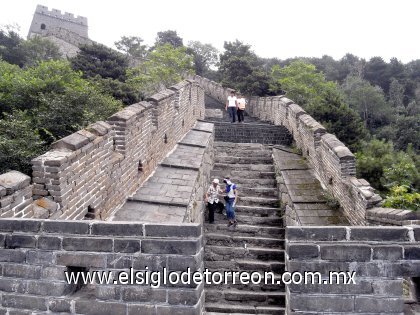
column 277, row 28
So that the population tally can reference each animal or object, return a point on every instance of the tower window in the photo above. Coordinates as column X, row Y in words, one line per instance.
column 43, row 26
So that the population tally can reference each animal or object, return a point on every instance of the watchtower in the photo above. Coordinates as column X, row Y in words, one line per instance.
column 45, row 22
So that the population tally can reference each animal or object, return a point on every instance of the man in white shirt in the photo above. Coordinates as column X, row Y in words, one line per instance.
column 231, row 106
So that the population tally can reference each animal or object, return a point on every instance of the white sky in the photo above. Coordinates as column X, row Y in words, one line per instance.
column 276, row 28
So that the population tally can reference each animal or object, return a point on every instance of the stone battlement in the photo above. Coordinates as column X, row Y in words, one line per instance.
column 66, row 16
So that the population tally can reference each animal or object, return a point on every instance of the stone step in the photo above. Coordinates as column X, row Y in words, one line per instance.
column 244, row 167
column 219, row 239
column 270, row 281
column 256, row 182
column 243, row 309
column 258, row 191
column 220, row 253
column 229, row 159
column 246, row 230
column 233, row 174
column 251, row 220
column 258, row 211
column 258, row 201
column 243, row 297
column 244, row 265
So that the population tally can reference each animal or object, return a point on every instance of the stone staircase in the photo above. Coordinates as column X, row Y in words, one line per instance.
column 256, row 244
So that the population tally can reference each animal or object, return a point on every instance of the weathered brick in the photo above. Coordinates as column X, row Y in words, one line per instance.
column 89, row 307
column 321, row 303
column 12, row 255
column 119, row 261
column 378, row 305
column 53, row 273
column 14, row 181
column 187, row 247
column 302, row 251
column 20, row 241
column 24, row 301
column 66, row 227
column 167, row 230
column 390, row 288
column 153, row 262
column 49, row 242
column 388, row 253
column 126, row 246
column 105, row 292
column 19, row 225
column 177, row 310
column 81, row 260
column 324, row 233
column 184, row 296
column 135, row 309
column 38, row 257
column 22, row 271
column 117, row 229
column 341, row 252
column 417, row 233
column 13, row 285
column 389, row 233
column 87, row 244
column 48, row 288
column 59, row 305
column 143, row 294
column 181, row 263
column 412, row 252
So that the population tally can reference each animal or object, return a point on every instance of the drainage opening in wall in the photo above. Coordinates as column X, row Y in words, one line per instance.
column 90, row 214
column 75, row 274
column 165, row 138
column 183, row 123
column 140, row 167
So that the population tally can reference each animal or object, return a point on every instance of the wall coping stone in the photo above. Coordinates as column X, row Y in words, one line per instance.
column 13, row 181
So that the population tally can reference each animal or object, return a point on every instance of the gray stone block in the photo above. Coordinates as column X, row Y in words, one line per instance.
column 118, row 261
column 388, row 253
column 59, row 305
column 49, row 242
column 134, row 309
column 126, row 246
column 166, row 230
column 20, row 241
column 2, row 191
column 178, row 310
column 315, row 233
column 412, row 252
column 143, row 294
column 53, row 273
column 184, row 296
column 40, row 257
column 19, row 225
column 13, row 285
column 66, row 227
column 22, row 271
column 390, row 288
column 40, row 213
column 12, row 255
column 321, row 303
column 105, row 292
column 378, row 305
column 14, row 181
column 153, row 262
column 117, row 229
column 91, row 307
column 81, row 260
column 72, row 142
column 349, row 253
column 389, row 233
column 179, row 247
column 87, row 244
column 417, row 233
column 25, row 302
column 48, row 288
column 48, row 204
column 302, row 251
column 182, row 263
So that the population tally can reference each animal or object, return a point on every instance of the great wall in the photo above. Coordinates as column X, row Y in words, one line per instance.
column 129, row 193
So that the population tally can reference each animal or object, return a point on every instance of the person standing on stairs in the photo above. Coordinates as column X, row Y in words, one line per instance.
column 241, row 108
column 231, row 199
column 212, row 199
column 231, row 106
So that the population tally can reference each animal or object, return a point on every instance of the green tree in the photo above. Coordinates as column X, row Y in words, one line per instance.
column 401, row 198
column 321, row 99
column 166, row 65
column 205, row 56
column 169, row 37
column 10, row 49
column 38, row 49
column 396, row 93
column 369, row 101
column 19, row 142
column 97, row 59
column 241, row 69
column 377, row 73
column 132, row 46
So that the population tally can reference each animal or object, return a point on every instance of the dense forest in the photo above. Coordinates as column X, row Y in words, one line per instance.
column 373, row 106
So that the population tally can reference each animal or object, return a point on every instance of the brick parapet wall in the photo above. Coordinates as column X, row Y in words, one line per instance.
column 98, row 167
column 34, row 254
column 332, row 161
column 380, row 256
